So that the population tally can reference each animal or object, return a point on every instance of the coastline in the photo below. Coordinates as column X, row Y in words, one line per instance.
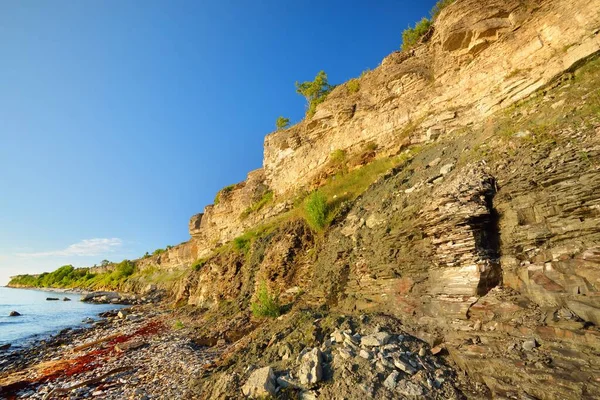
column 127, row 353
column 50, row 289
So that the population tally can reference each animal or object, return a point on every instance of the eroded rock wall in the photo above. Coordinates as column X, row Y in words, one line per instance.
column 482, row 57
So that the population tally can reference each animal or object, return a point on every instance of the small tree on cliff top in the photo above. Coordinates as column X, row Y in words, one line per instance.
column 282, row 123
column 315, row 92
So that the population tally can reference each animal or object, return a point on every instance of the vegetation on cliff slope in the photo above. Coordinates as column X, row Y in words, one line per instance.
column 412, row 36
column 267, row 303
column 282, row 123
column 315, row 92
column 68, row 276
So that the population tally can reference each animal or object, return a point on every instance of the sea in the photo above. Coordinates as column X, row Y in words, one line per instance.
column 39, row 317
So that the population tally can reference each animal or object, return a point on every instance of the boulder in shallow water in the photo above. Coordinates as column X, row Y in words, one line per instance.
column 51, row 298
column 14, row 314
column 4, row 347
column 66, row 299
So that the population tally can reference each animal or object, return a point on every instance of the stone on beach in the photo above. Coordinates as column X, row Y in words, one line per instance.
column 261, row 383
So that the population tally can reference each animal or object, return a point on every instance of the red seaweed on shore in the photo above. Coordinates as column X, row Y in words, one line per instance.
column 84, row 363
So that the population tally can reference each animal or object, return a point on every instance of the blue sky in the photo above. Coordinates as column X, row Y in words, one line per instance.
column 121, row 119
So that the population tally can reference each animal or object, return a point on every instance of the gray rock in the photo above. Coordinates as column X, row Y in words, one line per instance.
column 287, row 382
column 391, row 381
column 133, row 318
column 337, row 336
column 345, row 353
column 365, row 354
column 376, row 339
column 404, row 366
column 284, row 351
column 261, row 383
column 307, row 395
column 123, row 314
column 311, row 368
column 529, row 345
column 66, row 299
column 446, row 168
column 410, row 389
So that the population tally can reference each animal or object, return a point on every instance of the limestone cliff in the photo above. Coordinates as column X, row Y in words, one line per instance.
column 484, row 236
column 478, row 59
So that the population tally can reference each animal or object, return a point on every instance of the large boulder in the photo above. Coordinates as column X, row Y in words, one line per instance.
column 376, row 339
column 311, row 368
column 261, row 383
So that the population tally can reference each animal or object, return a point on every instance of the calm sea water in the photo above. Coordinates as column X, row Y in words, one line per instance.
column 39, row 317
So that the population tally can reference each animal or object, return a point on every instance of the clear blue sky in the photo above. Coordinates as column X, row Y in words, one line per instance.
column 120, row 119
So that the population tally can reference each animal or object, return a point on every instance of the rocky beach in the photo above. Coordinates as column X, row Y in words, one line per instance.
column 430, row 229
column 148, row 352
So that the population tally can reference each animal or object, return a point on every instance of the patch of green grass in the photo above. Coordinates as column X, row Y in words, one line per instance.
column 178, row 325
column 244, row 243
column 198, row 264
column 411, row 36
column 537, row 116
column 266, row 198
column 222, row 192
column 267, row 304
column 158, row 251
column 316, row 210
column 353, row 86
column 439, row 6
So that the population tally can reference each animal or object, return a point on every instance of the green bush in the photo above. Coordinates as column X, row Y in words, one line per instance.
column 266, row 198
column 198, row 264
column 178, row 325
column 371, row 146
column 221, row 192
column 411, row 36
column 315, row 92
column 315, row 210
column 123, row 269
column 243, row 243
column 282, row 123
column 353, row 85
column 437, row 9
column 158, row 251
column 267, row 304
column 338, row 156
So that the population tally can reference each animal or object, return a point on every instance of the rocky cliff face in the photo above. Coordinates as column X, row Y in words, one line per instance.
column 484, row 241
column 479, row 58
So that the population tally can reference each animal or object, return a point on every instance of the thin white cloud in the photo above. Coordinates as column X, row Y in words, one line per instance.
column 85, row 248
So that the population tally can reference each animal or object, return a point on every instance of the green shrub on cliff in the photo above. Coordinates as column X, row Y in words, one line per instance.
column 315, row 92
column 266, row 198
column 353, row 85
column 198, row 264
column 267, row 304
column 282, row 123
column 440, row 5
column 411, row 36
column 315, row 210
column 243, row 243
column 221, row 192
